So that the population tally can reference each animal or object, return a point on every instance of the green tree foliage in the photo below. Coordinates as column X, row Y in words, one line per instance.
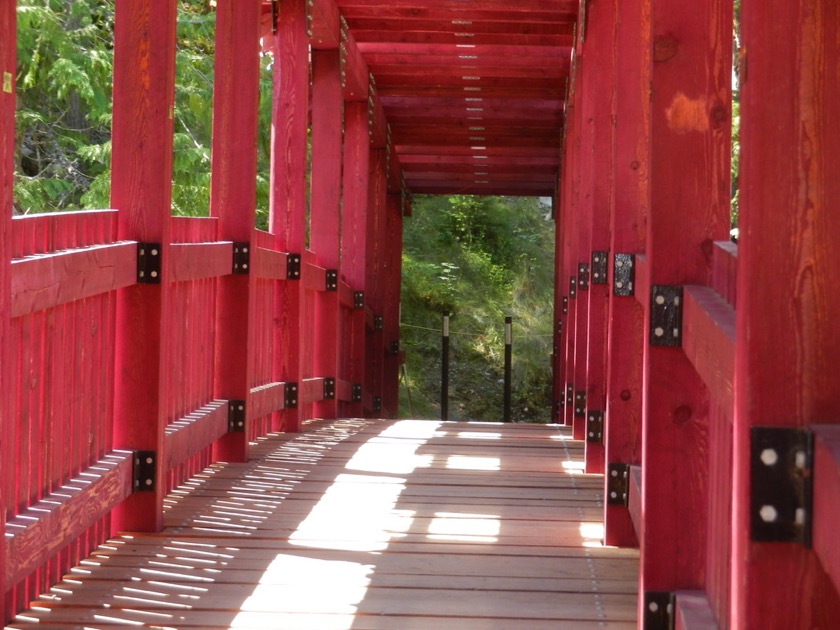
column 478, row 259
column 65, row 72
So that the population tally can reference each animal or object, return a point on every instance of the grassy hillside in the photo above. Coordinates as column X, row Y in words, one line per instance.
column 478, row 259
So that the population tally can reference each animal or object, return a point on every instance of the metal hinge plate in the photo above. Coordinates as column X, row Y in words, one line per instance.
column 781, row 484
column 666, row 315
column 241, row 258
column 659, row 610
column 599, row 267
column 624, row 275
column 595, row 427
column 148, row 263
column 236, row 416
column 292, row 266
column 618, row 484
column 290, row 396
column 145, row 471
column 583, row 276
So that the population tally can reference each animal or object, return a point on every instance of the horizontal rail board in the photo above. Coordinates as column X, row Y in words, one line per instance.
column 343, row 390
column 709, row 341
column 346, row 295
column 826, row 507
column 266, row 399
column 312, row 390
column 314, row 277
column 634, row 499
column 44, row 281
column 199, row 261
column 693, row 612
column 43, row 530
column 269, row 264
column 194, row 432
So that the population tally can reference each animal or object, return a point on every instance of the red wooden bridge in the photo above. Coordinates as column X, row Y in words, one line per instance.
column 142, row 354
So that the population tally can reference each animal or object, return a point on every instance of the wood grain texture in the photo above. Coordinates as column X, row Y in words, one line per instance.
column 36, row 535
column 194, row 432
column 199, row 261
column 457, row 525
column 789, row 233
column 827, row 498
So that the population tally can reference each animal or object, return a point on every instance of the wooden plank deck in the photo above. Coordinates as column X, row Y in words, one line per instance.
column 362, row 524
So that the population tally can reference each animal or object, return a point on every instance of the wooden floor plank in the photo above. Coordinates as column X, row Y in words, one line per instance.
column 360, row 524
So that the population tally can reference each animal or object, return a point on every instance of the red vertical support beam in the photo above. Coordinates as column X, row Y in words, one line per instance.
column 233, row 196
column 288, row 185
column 629, row 210
column 599, row 75
column 354, row 237
column 788, row 276
column 141, row 190
column 374, row 347
column 392, row 271
column 325, row 215
column 8, row 39
column 690, row 147
column 558, row 389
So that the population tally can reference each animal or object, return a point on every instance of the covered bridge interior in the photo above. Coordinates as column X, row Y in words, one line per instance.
column 137, row 348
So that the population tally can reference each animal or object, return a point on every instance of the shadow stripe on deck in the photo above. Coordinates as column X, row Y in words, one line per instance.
column 364, row 524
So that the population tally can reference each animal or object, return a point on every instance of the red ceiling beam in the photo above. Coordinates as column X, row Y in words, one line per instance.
column 522, row 6
column 478, row 39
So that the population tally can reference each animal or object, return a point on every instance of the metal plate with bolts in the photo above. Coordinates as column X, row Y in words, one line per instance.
column 565, row 305
column 290, row 399
column 331, row 280
column 236, row 416
column 379, row 322
column 583, row 276
column 666, row 315
column 293, row 267
column 329, row 389
column 599, row 267
column 659, row 610
column 148, row 263
column 781, row 484
column 624, row 275
column 572, row 287
column 595, row 427
column 377, row 404
column 145, row 471
column 570, row 394
column 241, row 258
column 357, row 392
column 618, row 484
column 359, row 300
column 580, row 404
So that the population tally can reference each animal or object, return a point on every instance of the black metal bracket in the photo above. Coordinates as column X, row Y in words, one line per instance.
column 357, row 392
column 331, row 280
column 618, row 484
column 290, row 397
column 329, row 388
column 624, row 275
column 241, row 258
column 595, row 427
column 659, row 610
column 580, row 404
column 570, row 394
column 666, row 315
column 572, row 287
column 583, row 276
column 148, row 263
column 599, row 267
column 378, row 322
column 377, row 404
column 236, row 416
column 394, row 348
column 293, row 267
column 781, row 484
column 145, row 471
column 359, row 300
column 565, row 305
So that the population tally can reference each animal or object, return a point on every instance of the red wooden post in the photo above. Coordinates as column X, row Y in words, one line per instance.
column 788, row 340
column 629, row 209
column 288, row 185
column 391, row 278
column 141, row 175
column 374, row 346
column 354, row 238
column 7, row 151
column 325, row 217
column 689, row 184
column 597, row 166
column 233, row 195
